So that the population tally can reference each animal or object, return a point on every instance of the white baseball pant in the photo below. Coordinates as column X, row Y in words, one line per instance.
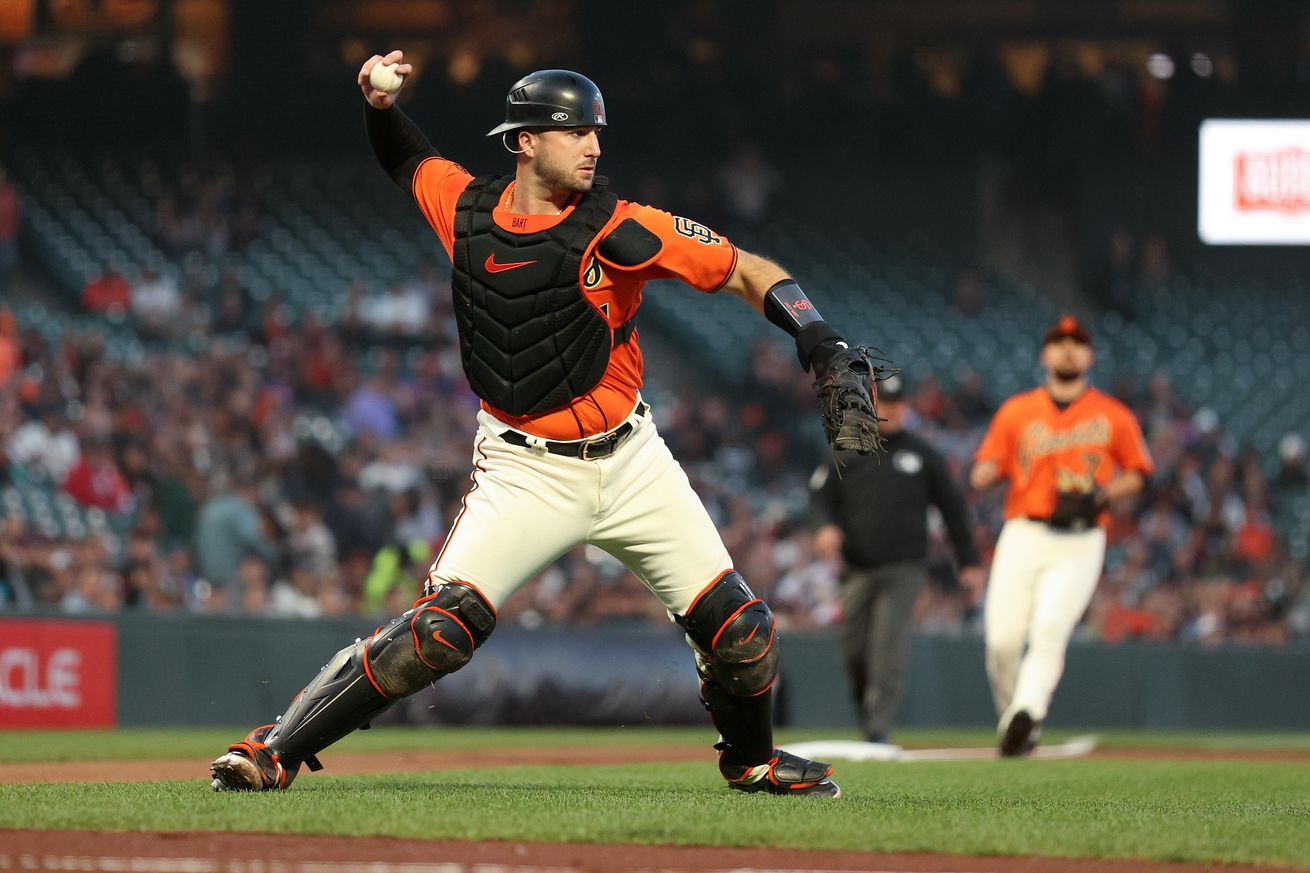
column 1040, row 584
column 527, row 507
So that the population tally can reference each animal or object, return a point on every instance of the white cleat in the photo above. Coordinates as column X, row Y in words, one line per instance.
column 235, row 772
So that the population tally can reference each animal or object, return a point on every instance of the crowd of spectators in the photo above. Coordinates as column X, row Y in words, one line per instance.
column 313, row 472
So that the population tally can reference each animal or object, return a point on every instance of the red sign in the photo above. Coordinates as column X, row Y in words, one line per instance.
column 1277, row 181
column 58, row 674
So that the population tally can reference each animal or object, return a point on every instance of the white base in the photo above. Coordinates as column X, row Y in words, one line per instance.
column 853, row 750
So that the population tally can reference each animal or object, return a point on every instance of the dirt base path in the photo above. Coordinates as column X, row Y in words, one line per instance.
column 271, row 853
column 351, row 763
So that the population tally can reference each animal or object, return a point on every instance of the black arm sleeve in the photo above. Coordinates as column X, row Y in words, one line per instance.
column 397, row 143
column 950, row 502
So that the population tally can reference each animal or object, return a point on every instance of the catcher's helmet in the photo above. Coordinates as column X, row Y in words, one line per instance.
column 552, row 98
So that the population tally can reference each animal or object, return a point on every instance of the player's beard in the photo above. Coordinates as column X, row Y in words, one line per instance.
column 557, row 177
column 1068, row 373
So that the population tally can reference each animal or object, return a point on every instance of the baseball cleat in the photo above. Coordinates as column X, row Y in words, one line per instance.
column 235, row 772
column 1020, row 736
column 784, row 774
column 251, row 766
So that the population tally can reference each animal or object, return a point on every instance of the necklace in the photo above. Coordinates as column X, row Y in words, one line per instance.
column 509, row 197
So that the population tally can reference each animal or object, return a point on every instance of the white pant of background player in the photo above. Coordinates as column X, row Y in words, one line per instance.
column 527, row 507
column 1041, row 582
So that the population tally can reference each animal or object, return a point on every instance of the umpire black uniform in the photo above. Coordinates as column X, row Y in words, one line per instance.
column 877, row 509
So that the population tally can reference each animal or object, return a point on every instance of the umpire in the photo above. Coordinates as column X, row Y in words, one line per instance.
column 874, row 509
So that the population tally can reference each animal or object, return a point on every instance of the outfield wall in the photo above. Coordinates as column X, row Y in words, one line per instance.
column 191, row 670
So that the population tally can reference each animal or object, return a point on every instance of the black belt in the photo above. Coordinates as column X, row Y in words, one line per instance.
column 1071, row 526
column 588, row 450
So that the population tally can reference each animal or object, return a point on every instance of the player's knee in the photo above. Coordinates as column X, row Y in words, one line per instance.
column 434, row 639
column 737, row 635
column 1050, row 640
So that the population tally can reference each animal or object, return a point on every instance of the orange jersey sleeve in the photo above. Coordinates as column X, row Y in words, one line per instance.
column 1042, row 449
column 436, row 188
column 689, row 250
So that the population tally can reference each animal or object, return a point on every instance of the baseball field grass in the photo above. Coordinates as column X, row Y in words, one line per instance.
column 1165, row 809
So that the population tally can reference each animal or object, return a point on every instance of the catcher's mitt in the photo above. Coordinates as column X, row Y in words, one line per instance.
column 1076, row 510
column 848, row 399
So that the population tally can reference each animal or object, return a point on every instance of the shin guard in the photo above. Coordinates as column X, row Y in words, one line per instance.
column 734, row 634
column 434, row 639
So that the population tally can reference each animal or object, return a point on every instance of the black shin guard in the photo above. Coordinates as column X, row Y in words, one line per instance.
column 434, row 639
column 734, row 634
column 744, row 723
column 340, row 699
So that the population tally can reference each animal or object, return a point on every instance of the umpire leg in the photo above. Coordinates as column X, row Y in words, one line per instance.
column 896, row 588
column 857, row 597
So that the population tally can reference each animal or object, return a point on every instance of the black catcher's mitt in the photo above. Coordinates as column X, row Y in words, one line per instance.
column 848, row 399
column 1076, row 510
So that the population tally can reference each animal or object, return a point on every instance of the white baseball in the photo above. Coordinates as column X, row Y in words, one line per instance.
column 384, row 78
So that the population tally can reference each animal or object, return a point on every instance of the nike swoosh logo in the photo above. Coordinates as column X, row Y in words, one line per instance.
column 492, row 267
column 436, row 635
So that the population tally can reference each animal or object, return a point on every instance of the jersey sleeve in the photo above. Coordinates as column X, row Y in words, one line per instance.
column 1129, row 446
column 437, row 186
column 998, row 444
column 689, row 250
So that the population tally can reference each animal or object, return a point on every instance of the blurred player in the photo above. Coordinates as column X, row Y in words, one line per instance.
column 1066, row 450
column 548, row 271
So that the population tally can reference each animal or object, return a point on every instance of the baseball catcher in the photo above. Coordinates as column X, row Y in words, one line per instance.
column 548, row 268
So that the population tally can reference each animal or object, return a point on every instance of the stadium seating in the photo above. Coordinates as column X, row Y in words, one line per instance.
column 1224, row 344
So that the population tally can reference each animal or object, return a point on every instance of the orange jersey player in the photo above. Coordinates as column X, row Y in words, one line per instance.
column 547, row 273
column 1066, row 450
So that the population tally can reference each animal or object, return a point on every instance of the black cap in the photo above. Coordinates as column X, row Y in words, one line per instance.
column 1067, row 326
column 552, row 98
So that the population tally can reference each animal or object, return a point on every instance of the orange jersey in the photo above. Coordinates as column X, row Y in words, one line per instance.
column 690, row 252
column 1042, row 449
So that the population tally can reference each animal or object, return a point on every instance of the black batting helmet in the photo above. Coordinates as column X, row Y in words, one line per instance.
column 552, row 98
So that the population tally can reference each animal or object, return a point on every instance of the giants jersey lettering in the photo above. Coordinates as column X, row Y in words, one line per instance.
column 690, row 252
column 1042, row 449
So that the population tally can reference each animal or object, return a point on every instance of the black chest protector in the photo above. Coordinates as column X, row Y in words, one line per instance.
column 529, row 339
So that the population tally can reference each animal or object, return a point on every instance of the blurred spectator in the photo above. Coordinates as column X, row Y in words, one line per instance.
column 313, row 548
column 45, row 444
column 229, row 530
column 252, row 583
column 95, row 481
column 400, row 566
column 402, row 311
column 297, row 595
column 1292, row 474
column 11, row 213
column 748, row 183
column 109, row 294
column 156, row 303
column 11, row 355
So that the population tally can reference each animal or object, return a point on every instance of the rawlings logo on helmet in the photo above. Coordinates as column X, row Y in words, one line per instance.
column 560, row 116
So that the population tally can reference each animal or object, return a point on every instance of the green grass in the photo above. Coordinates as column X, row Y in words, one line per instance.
column 133, row 743
column 1194, row 811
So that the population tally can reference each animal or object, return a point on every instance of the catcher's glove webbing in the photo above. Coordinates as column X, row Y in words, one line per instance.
column 848, row 400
